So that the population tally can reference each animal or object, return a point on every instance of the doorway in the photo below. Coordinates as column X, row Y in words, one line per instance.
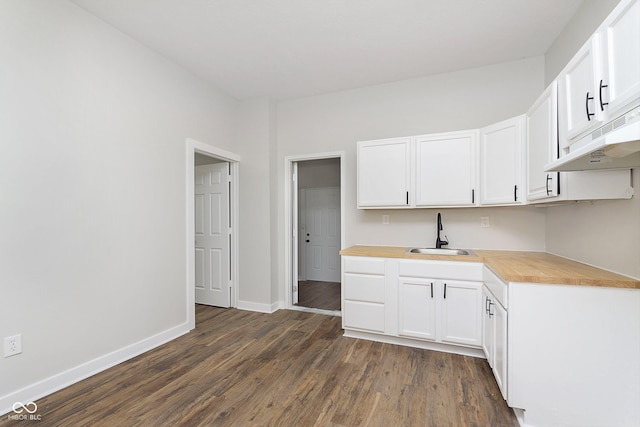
column 316, row 233
column 212, row 226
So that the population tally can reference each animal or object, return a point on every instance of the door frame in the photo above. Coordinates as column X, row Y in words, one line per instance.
column 290, row 256
column 193, row 147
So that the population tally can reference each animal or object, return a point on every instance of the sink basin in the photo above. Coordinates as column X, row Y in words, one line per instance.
column 441, row 251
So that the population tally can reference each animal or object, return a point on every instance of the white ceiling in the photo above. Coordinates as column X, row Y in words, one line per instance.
column 293, row 48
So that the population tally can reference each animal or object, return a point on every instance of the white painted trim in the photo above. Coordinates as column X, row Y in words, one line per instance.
column 212, row 151
column 57, row 382
column 193, row 147
column 288, row 170
column 259, row 307
column 336, row 313
column 408, row 342
column 520, row 417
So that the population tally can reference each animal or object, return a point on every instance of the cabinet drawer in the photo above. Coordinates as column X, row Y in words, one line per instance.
column 497, row 287
column 456, row 270
column 362, row 287
column 363, row 315
column 364, row 265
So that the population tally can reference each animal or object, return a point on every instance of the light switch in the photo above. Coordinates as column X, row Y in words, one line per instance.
column 385, row 219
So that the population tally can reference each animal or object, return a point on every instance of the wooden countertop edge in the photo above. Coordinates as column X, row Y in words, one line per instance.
column 512, row 266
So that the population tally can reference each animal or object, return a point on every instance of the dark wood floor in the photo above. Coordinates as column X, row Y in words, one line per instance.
column 314, row 294
column 290, row 368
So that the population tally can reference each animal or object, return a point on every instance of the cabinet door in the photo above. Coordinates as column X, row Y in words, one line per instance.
column 499, row 318
column 363, row 315
column 488, row 340
column 384, row 173
column 417, row 308
column 619, row 84
column 500, row 162
column 446, row 169
column 461, row 314
column 577, row 91
column 542, row 145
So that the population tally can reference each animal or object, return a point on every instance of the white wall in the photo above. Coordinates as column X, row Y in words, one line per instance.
column 92, row 187
column 605, row 233
column 453, row 101
column 254, row 136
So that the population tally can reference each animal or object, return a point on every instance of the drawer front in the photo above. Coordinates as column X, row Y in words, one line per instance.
column 364, row 265
column 363, row 315
column 454, row 270
column 362, row 287
column 497, row 287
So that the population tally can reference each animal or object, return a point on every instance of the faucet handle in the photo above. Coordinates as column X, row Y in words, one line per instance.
column 445, row 241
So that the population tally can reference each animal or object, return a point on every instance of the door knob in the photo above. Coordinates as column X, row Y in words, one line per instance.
column 307, row 240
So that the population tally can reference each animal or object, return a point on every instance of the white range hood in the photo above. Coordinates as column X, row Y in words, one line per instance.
column 613, row 146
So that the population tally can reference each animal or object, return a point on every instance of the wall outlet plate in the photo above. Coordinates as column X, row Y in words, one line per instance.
column 12, row 345
column 484, row 222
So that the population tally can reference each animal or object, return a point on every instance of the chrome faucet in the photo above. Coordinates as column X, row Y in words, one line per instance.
column 440, row 243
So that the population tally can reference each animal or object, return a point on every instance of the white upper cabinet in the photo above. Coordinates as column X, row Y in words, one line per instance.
column 384, row 173
column 619, row 80
column 578, row 96
column 500, row 162
column 542, row 145
column 446, row 166
column 602, row 81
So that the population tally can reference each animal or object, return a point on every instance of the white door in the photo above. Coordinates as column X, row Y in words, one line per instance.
column 323, row 234
column 417, row 314
column 446, row 169
column 488, row 329
column 461, row 320
column 620, row 79
column 542, row 145
column 384, row 173
column 212, row 235
column 500, row 160
column 500, row 350
column 577, row 91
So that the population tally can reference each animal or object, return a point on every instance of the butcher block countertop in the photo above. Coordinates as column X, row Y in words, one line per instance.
column 515, row 266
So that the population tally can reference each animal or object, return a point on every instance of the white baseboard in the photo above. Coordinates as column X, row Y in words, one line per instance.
column 71, row 376
column 259, row 307
column 447, row 348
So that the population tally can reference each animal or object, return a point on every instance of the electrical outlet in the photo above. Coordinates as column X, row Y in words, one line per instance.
column 484, row 221
column 385, row 219
column 12, row 345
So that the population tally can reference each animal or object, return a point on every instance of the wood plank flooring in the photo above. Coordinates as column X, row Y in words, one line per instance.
column 315, row 294
column 290, row 368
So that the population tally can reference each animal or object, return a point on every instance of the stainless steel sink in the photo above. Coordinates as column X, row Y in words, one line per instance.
column 441, row 251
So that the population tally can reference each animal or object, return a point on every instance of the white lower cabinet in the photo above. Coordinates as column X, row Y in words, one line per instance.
column 414, row 302
column 446, row 311
column 363, row 294
column 494, row 343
